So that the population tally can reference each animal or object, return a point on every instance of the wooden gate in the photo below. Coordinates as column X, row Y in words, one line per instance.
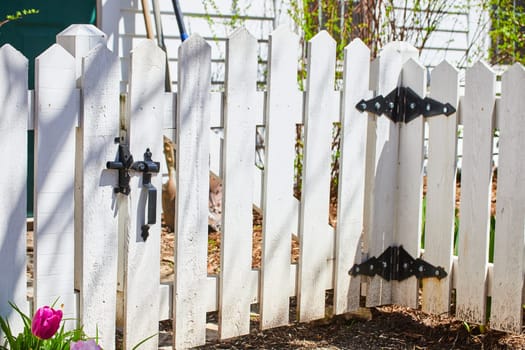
column 97, row 248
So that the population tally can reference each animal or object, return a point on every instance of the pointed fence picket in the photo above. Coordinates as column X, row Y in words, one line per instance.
column 56, row 117
column 441, row 189
column 77, row 119
column 476, row 181
column 507, row 290
column 98, row 128
column 383, row 142
column 347, row 289
column 13, row 140
column 316, row 237
column 279, row 205
column 142, row 237
column 193, row 121
column 410, row 185
column 238, row 179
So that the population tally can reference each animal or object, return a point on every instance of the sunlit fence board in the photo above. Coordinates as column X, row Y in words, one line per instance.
column 193, row 120
column 476, row 176
column 410, row 185
column 99, row 127
column 279, row 214
column 351, row 178
column 13, row 140
column 441, row 190
column 382, row 171
column 315, row 234
column 142, row 257
column 507, row 288
column 56, row 117
column 238, row 180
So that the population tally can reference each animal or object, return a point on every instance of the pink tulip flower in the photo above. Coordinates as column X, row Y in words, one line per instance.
column 46, row 322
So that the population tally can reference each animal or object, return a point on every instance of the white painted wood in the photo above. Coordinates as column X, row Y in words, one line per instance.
column 56, row 116
column 283, row 102
column 350, row 206
column 314, row 232
column 142, row 258
column 99, row 127
column 383, row 206
column 13, row 140
column 476, row 175
column 78, row 40
column 441, row 190
column 509, row 267
column 410, row 186
column 191, row 223
column 238, row 179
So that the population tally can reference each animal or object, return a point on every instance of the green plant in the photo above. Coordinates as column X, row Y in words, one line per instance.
column 28, row 340
column 18, row 15
column 374, row 21
column 506, row 33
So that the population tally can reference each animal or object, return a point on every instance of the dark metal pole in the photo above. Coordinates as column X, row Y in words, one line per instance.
column 180, row 20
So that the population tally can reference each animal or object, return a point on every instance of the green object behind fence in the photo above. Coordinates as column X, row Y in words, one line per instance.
column 32, row 34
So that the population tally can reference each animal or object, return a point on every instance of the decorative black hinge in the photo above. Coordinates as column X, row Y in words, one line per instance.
column 404, row 105
column 397, row 264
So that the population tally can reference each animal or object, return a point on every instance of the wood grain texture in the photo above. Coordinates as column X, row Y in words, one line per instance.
column 350, row 206
column 283, row 102
column 13, row 140
column 238, row 180
column 441, row 190
column 99, row 127
column 315, row 234
column 509, row 267
column 56, row 117
column 191, row 216
column 142, row 258
column 476, row 176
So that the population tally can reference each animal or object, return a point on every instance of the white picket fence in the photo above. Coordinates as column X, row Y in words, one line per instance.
column 89, row 251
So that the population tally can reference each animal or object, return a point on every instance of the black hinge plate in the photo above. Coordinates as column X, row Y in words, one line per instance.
column 403, row 105
column 396, row 264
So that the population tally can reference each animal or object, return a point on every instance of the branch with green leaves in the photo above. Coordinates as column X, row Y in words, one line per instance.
column 18, row 15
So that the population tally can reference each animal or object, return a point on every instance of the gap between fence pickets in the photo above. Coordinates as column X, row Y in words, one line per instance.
column 212, row 301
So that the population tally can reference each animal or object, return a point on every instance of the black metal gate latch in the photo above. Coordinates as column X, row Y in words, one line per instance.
column 404, row 105
column 396, row 264
column 147, row 167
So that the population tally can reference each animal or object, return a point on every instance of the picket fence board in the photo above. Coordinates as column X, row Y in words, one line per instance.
column 476, row 175
column 57, row 111
column 315, row 234
column 99, row 126
column 191, row 244
column 507, row 296
column 13, row 141
column 384, row 139
column 142, row 259
column 283, row 102
column 347, row 289
column 410, row 186
column 238, row 179
column 441, row 190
